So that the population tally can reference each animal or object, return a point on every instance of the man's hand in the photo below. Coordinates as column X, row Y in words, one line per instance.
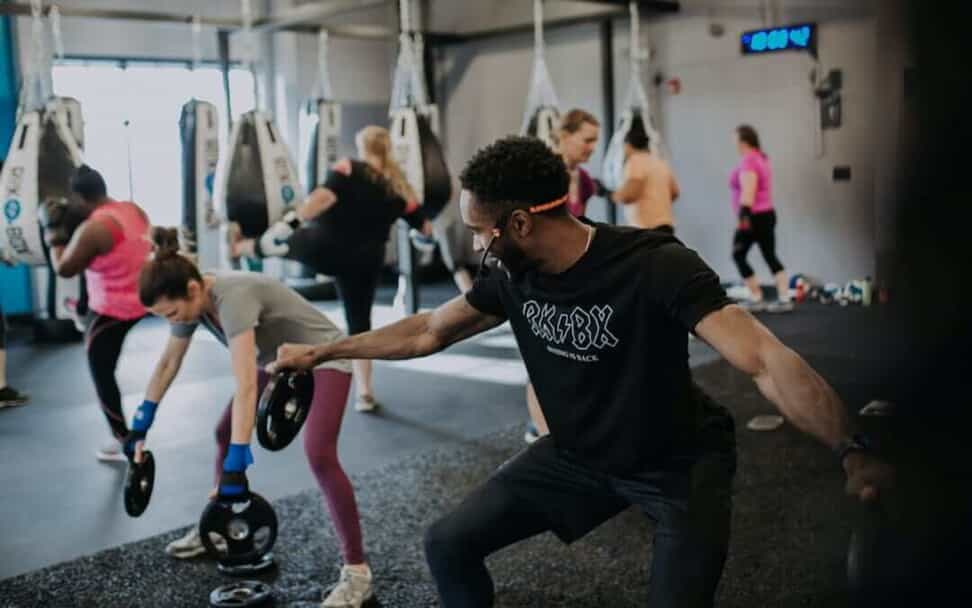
column 294, row 357
column 867, row 476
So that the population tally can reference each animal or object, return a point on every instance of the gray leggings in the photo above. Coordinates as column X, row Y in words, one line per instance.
column 3, row 329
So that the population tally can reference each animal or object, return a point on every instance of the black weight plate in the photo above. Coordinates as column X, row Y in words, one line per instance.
column 241, row 594
column 283, row 408
column 249, row 528
column 139, row 483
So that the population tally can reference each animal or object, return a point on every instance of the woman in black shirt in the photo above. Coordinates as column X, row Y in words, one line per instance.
column 341, row 230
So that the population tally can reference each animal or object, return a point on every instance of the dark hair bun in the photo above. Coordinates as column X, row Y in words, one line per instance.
column 166, row 239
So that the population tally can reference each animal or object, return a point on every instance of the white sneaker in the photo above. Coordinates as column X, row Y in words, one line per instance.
column 753, row 305
column 191, row 545
column 780, row 306
column 365, row 404
column 111, row 452
column 352, row 590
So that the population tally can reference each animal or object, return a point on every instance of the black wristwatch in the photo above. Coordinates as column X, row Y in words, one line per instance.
column 848, row 445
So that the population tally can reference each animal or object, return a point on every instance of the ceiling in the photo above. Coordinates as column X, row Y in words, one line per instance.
column 465, row 17
column 451, row 19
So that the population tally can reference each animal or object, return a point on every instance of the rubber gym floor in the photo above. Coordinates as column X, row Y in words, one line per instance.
column 446, row 422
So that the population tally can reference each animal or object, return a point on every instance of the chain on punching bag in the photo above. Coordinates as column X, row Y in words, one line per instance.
column 636, row 116
column 541, row 119
column 258, row 179
column 322, row 120
column 199, row 134
column 42, row 157
column 414, row 126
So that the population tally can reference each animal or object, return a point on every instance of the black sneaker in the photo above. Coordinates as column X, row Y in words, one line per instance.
column 9, row 397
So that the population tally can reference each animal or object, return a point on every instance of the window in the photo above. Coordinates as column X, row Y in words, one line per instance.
column 131, row 123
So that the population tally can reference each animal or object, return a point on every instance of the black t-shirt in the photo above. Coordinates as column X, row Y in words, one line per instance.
column 606, row 346
column 366, row 206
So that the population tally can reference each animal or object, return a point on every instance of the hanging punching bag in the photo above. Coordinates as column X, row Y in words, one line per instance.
column 325, row 138
column 437, row 187
column 199, row 132
column 631, row 120
column 258, row 180
column 543, row 125
column 419, row 152
column 42, row 157
column 541, row 118
column 636, row 117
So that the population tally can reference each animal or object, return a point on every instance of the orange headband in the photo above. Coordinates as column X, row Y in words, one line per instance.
column 547, row 206
column 534, row 209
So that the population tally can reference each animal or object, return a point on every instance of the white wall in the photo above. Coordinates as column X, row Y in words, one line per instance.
column 485, row 84
column 826, row 229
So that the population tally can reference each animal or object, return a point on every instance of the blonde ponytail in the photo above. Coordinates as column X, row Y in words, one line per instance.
column 376, row 141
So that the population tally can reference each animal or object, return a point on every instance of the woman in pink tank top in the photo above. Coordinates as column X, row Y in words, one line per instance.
column 109, row 247
column 751, row 185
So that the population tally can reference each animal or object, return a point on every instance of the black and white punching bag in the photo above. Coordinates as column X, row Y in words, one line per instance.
column 543, row 125
column 630, row 120
column 416, row 145
column 41, row 160
column 541, row 118
column 324, row 118
column 199, row 132
column 636, row 117
column 258, row 180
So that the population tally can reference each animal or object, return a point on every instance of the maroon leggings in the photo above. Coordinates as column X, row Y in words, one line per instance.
column 320, row 444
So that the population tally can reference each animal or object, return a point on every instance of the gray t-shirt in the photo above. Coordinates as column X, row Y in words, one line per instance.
column 275, row 313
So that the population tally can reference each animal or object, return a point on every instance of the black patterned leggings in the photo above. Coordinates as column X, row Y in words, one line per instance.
column 103, row 343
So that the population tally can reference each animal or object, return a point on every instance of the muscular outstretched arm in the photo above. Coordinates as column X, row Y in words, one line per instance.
column 781, row 374
column 414, row 336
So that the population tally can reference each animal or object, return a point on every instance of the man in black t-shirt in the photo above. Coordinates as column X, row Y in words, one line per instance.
column 601, row 315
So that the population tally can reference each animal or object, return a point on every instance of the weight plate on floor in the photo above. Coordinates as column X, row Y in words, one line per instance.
column 241, row 594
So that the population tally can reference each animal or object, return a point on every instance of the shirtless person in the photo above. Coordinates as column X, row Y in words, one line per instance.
column 649, row 186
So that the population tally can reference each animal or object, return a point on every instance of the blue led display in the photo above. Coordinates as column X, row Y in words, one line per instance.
column 801, row 37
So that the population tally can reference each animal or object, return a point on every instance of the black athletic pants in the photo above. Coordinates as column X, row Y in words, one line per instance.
column 762, row 232
column 103, row 343
column 545, row 488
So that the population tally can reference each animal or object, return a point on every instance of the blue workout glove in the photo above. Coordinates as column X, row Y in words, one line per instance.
column 233, row 483
column 141, row 423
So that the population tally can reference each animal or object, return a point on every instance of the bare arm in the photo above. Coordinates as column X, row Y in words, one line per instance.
column 317, row 203
column 167, row 368
column 414, row 336
column 91, row 239
column 747, row 180
column 781, row 375
column 243, row 354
